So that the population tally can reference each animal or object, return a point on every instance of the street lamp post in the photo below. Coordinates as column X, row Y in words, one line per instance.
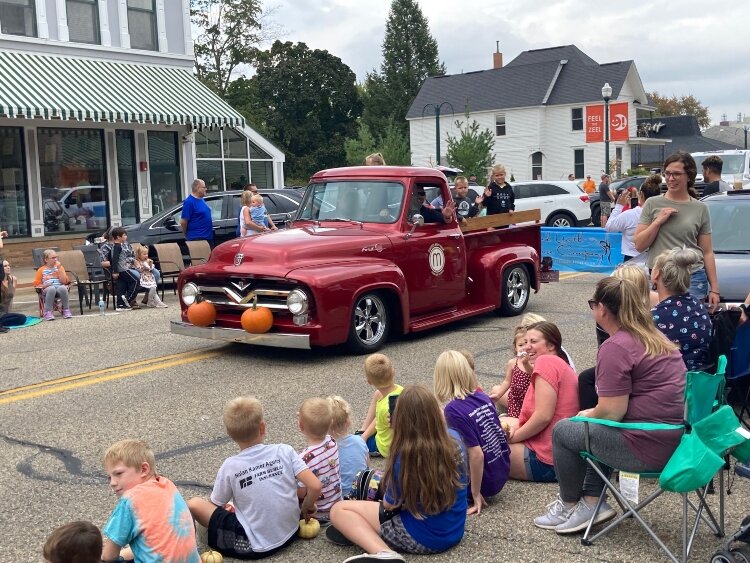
column 606, row 94
column 436, row 108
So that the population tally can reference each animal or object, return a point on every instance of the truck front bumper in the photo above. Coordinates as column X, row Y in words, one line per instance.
column 275, row 339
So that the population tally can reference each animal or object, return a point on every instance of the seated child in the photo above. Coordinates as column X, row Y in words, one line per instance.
column 145, row 267
column 511, row 392
column 52, row 279
column 470, row 412
column 353, row 454
column 75, row 542
column 376, row 430
column 151, row 516
column 321, row 454
column 260, row 481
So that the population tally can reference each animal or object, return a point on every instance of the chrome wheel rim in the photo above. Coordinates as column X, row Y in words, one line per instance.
column 369, row 319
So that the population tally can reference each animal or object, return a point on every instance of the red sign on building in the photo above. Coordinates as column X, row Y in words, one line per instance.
column 595, row 124
column 618, row 122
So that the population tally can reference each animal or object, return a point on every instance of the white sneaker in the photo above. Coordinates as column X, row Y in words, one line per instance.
column 580, row 516
column 557, row 513
column 379, row 556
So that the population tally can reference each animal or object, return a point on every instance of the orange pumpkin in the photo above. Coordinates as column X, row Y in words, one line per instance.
column 202, row 313
column 257, row 320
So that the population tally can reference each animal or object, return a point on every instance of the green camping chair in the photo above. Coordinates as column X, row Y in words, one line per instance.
column 710, row 433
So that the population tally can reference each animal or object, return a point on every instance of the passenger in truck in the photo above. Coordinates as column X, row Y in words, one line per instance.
column 420, row 206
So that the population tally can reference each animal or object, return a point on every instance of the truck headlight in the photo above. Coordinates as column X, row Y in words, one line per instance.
column 189, row 293
column 296, row 302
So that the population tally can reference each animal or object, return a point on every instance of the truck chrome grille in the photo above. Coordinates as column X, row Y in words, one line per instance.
column 237, row 294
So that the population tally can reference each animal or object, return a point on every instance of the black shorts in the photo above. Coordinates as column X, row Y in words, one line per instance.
column 228, row 537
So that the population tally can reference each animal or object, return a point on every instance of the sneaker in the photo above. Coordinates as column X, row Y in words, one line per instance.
column 162, row 305
column 134, row 304
column 379, row 556
column 334, row 536
column 120, row 309
column 67, row 314
column 48, row 316
column 580, row 517
column 557, row 513
column 125, row 304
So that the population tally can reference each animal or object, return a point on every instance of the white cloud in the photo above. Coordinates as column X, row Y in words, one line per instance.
column 689, row 47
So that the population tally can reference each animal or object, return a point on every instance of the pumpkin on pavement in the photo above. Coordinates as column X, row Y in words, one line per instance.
column 257, row 320
column 211, row 557
column 309, row 530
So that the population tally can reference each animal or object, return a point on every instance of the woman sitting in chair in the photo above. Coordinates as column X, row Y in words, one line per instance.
column 53, row 281
column 640, row 377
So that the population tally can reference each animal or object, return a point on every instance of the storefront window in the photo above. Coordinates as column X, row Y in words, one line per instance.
column 14, row 216
column 126, row 175
column 164, row 170
column 73, row 179
column 210, row 172
column 261, row 173
column 222, row 160
column 235, row 173
column 208, row 143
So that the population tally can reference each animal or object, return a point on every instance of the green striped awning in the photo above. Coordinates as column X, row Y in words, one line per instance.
column 50, row 87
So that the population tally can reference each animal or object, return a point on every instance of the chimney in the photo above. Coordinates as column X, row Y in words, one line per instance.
column 497, row 57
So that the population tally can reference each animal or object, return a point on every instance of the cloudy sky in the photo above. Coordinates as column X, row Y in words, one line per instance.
column 679, row 47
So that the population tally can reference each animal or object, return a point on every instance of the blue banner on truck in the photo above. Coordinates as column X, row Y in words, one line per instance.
column 581, row 250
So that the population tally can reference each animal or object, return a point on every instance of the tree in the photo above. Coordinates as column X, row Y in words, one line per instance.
column 682, row 105
column 410, row 54
column 305, row 100
column 230, row 33
column 393, row 145
column 472, row 150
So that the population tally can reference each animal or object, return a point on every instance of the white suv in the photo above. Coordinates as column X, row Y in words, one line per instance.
column 562, row 203
column 736, row 168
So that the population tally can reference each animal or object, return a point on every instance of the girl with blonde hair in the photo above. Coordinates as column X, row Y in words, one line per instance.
column 498, row 196
column 424, row 506
column 374, row 159
column 470, row 412
column 640, row 376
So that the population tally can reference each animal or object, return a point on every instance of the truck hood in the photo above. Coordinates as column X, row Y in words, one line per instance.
column 278, row 253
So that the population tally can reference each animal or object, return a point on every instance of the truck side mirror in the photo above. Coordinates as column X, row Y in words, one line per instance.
column 416, row 221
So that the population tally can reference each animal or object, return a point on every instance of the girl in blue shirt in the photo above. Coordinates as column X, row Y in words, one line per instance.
column 423, row 509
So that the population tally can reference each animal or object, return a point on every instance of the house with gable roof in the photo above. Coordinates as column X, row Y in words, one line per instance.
column 538, row 105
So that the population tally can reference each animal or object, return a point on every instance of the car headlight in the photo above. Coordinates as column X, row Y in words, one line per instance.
column 296, row 302
column 189, row 293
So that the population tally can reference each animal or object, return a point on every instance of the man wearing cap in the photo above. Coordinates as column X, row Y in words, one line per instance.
column 589, row 186
column 605, row 199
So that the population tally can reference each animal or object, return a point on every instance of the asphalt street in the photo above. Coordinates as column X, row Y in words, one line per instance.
column 68, row 389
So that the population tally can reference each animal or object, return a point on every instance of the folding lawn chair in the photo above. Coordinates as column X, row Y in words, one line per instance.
column 709, row 435
column 738, row 373
column 169, row 256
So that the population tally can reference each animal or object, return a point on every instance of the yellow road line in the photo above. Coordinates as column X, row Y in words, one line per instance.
column 571, row 275
column 68, row 383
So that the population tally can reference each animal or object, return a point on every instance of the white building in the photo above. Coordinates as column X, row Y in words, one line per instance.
column 101, row 116
column 543, row 106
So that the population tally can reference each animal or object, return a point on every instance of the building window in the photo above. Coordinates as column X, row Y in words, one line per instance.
column 578, row 163
column 18, row 17
column 536, row 166
column 164, row 170
column 576, row 119
column 83, row 21
column 126, row 176
column 73, row 179
column 14, row 199
column 499, row 124
column 618, row 166
column 222, row 158
column 142, row 25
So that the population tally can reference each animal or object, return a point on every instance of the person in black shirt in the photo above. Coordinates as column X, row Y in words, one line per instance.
column 712, row 167
column 419, row 205
column 498, row 197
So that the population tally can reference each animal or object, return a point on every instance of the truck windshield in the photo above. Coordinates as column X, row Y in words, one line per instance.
column 367, row 202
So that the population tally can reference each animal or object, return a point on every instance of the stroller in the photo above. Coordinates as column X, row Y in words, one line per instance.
column 738, row 553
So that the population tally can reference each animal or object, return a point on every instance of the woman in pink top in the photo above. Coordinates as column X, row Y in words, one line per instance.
column 552, row 396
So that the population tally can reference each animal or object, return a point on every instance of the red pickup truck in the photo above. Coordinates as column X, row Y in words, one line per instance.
column 364, row 259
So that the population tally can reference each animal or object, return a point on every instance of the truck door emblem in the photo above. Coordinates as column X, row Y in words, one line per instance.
column 238, row 258
column 373, row 248
column 436, row 257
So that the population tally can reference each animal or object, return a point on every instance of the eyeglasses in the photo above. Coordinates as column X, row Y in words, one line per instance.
column 675, row 175
column 592, row 302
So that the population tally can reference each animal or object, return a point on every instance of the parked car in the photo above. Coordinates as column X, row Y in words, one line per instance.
column 225, row 210
column 731, row 241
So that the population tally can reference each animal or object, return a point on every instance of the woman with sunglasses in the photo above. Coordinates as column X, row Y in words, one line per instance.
column 678, row 219
column 640, row 377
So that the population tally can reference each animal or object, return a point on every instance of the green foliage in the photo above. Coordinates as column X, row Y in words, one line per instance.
column 638, row 172
column 306, row 101
column 472, row 149
column 682, row 105
column 410, row 54
column 230, row 32
column 393, row 145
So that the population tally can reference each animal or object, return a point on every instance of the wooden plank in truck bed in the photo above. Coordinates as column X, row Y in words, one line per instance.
column 500, row 220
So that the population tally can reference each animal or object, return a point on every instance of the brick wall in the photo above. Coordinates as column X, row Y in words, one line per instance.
column 19, row 253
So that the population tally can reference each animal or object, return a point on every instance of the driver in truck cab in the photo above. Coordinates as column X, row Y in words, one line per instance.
column 418, row 205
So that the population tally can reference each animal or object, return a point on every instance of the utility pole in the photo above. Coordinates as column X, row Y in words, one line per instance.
column 436, row 108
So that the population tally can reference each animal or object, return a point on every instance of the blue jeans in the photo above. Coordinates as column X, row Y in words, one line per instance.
column 699, row 284
column 537, row 470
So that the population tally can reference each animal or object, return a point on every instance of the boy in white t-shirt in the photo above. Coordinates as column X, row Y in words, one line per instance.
column 261, row 482
column 321, row 454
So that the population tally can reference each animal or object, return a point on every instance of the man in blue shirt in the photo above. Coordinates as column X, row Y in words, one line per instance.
column 196, row 220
